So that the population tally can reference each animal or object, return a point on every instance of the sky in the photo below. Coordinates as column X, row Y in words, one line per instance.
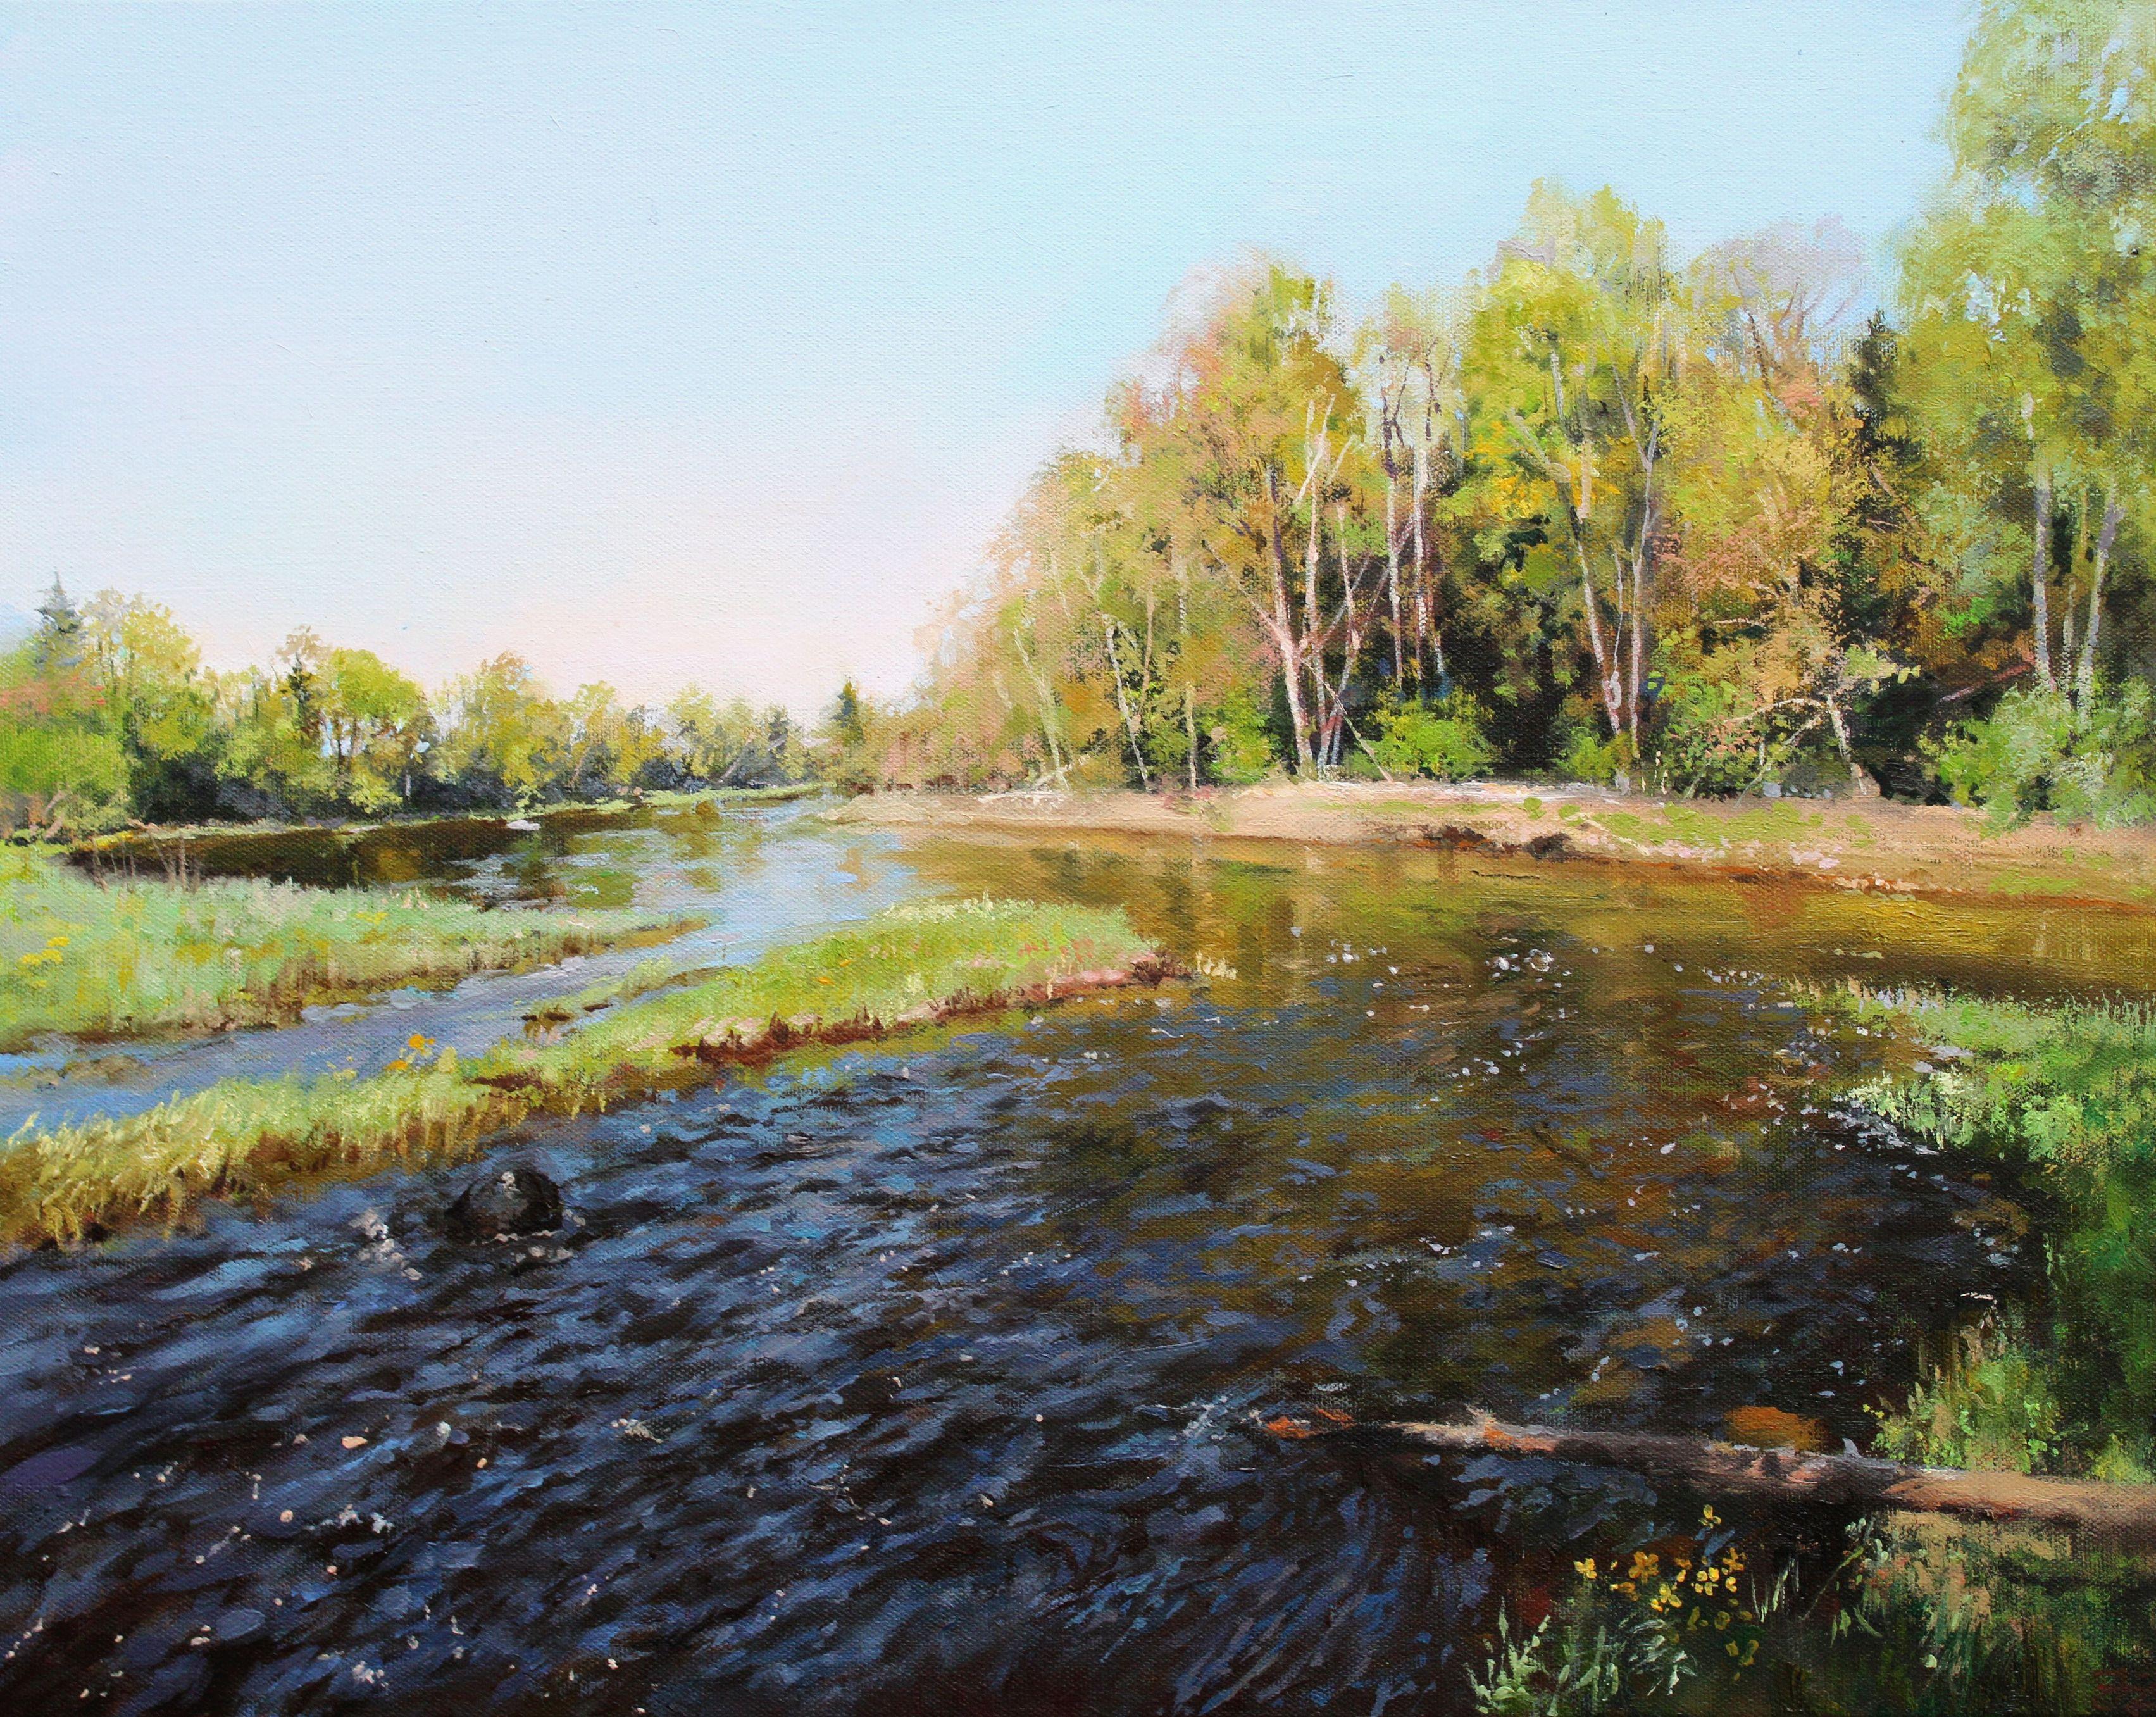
column 712, row 343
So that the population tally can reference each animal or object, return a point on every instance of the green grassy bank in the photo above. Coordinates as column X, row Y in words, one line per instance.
column 243, row 1138
column 1924, row 1613
column 2061, row 1100
column 138, row 959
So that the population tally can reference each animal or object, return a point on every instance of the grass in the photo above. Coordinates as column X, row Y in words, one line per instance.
column 2071, row 1085
column 2064, row 1097
column 141, row 958
column 244, row 1137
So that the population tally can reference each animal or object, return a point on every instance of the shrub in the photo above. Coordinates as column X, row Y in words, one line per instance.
column 2036, row 751
column 1586, row 756
column 1242, row 750
column 1448, row 740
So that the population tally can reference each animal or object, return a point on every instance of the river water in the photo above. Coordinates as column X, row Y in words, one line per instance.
column 923, row 1377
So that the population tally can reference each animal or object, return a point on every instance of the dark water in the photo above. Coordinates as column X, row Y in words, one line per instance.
column 922, row 1379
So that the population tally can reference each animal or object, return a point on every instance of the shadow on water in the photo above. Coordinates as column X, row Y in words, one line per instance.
column 923, row 1378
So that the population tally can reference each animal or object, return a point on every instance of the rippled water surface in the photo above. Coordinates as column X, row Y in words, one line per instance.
column 923, row 1379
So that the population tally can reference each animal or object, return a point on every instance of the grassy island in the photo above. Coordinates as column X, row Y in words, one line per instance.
column 128, row 959
column 244, row 1138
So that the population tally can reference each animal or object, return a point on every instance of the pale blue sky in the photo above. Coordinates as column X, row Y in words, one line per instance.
column 712, row 341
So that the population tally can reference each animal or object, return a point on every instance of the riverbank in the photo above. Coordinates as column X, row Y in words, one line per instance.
column 102, row 962
column 2058, row 1101
column 1860, row 844
column 163, row 842
column 241, row 1138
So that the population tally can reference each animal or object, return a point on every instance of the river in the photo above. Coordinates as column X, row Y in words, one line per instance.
column 923, row 1377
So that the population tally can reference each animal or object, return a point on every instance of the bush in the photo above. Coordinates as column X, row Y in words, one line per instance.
column 1242, row 749
column 2035, row 752
column 1448, row 740
column 1587, row 757
column 1709, row 740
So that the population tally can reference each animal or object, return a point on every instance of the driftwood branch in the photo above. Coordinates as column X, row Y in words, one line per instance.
column 1783, row 1475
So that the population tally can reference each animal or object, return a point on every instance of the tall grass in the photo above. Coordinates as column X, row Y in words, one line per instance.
column 135, row 958
column 242, row 1137
column 2064, row 1097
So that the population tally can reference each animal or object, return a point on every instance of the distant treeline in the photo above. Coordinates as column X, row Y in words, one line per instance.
column 107, row 716
column 1591, row 513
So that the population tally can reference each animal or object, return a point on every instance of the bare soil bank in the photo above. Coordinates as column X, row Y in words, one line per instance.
column 1862, row 844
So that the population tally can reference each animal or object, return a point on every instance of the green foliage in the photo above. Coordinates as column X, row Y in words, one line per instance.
column 1706, row 739
column 1448, row 740
column 1241, row 742
column 2037, row 752
column 244, row 1138
column 107, row 715
column 1966, row 1619
column 2067, row 1096
column 125, row 959
column 1588, row 757
column 1633, row 1630
column 1988, row 1404
column 62, row 763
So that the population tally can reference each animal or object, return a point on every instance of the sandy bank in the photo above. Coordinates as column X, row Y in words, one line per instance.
column 1844, row 843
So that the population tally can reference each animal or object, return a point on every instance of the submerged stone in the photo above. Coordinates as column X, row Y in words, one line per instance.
column 506, row 1203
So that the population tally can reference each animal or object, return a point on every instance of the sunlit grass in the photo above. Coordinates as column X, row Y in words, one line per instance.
column 241, row 1138
column 135, row 958
column 2071, row 1083
column 2062, row 1098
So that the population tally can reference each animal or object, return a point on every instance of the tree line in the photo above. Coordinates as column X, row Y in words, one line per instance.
column 107, row 716
column 1710, row 526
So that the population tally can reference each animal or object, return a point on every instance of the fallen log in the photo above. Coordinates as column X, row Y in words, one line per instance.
column 1781, row 1475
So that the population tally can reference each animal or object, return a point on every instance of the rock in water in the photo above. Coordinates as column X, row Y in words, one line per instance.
column 508, row 1202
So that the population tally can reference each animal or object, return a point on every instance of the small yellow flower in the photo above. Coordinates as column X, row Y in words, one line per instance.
column 1585, row 1570
column 1709, row 1517
column 399, row 1065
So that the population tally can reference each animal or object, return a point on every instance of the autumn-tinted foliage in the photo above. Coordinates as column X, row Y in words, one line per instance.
column 1698, row 526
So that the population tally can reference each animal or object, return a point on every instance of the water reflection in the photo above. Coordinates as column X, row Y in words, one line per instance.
column 755, row 876
column 924, row 1378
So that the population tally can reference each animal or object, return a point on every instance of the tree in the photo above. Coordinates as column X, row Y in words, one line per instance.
column 1572, row 354
column 376, row 723
column 61, row 760
column 1765, row 487
column 2030, row 292
column 504, row 737
column 150, row 674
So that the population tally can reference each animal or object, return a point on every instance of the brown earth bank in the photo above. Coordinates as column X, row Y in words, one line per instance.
column 1860, row 844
